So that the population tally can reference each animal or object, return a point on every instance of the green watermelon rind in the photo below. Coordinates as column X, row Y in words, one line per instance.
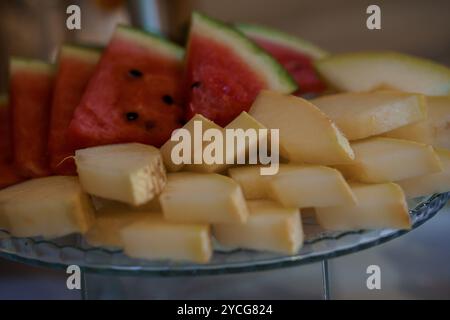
column 262, row 63
column 85, row 53
column 153, row 41
column 30, row 65
column 284, row 39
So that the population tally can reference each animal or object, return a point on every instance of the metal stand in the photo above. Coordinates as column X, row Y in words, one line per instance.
column 325, row 280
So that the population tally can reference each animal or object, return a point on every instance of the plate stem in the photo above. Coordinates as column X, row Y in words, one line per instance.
column 325, row 280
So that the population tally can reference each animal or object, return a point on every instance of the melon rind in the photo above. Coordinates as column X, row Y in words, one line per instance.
column 153, row 41
column 365, row 71
column 30, row 65
column 274, row 75
column 88, row 54
column 283, row 39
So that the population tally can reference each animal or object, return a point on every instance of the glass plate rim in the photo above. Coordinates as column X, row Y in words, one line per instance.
column 438, row 199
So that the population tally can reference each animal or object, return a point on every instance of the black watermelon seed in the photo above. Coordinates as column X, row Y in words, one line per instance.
column 182, row 121
column 132, row 116
column 135, row 73
column 149, row 125
column 196, row 84
column 167, row 99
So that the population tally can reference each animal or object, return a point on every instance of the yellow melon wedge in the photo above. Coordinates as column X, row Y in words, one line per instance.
column 203, row 198
column 154, row 238
column 168, row 147
column 365, row 71
column 244, row 125
column 253, row 184
column 310, row 186
column 109, row 220
column 434, row 130
column 269, row 227
column 49, row 207
column 429, row 183
column 306, row 133
column 378, row 206
column 362, row 115
column 385, row 159
column 132, row 173
column 439, row 116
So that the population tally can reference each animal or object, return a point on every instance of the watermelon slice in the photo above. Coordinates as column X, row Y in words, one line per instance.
column 76, row 66
column 296, row 55
column 8, row 175
column 5, row 137
column 30, row 92
column 134, row 94
column 225, row 71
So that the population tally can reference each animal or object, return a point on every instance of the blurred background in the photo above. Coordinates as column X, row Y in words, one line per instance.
column 36, row 28
column 415, row 266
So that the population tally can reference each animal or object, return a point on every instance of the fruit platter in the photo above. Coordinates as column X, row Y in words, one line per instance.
column 247, row 149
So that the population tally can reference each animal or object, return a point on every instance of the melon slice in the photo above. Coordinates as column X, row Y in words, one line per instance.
column 134, row 94
column 439, row 116
column 109, row 221
column 225, row 71
column 434, row 130
column 306, row 133
column 203, row 198
column 421, row 131
column 253, row 184
column 242, row 123
column 361, row 115
column 269, row 227
column 30, row 93
column 49, row 207
column 154, row 238
column 75, row 67
column 310, row 186
column 132, row 173
column 378, row 206
column 293, row 53
column 429, row 183
column 365, row 71
column 385, row 159
column 168, row 147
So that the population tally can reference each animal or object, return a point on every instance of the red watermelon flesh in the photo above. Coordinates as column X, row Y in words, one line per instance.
column 295, row 54
column 5, row 136
column 134, row 95
column 225, row 71
column 30, row 92
column 8, row 175
column 299, row 65
column 76, row 66
column 215, row 91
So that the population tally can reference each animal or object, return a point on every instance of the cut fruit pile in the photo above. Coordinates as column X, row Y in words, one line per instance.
column 85, row 146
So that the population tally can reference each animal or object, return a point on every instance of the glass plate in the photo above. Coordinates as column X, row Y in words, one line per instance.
column 319, row 245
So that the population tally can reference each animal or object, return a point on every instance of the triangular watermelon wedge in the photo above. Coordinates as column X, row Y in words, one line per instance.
column 5, row 130
column 295, row 54
column 31, row 86
column 134, row 94
column 75, row 67
column 225, row 71
column 8, row 175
